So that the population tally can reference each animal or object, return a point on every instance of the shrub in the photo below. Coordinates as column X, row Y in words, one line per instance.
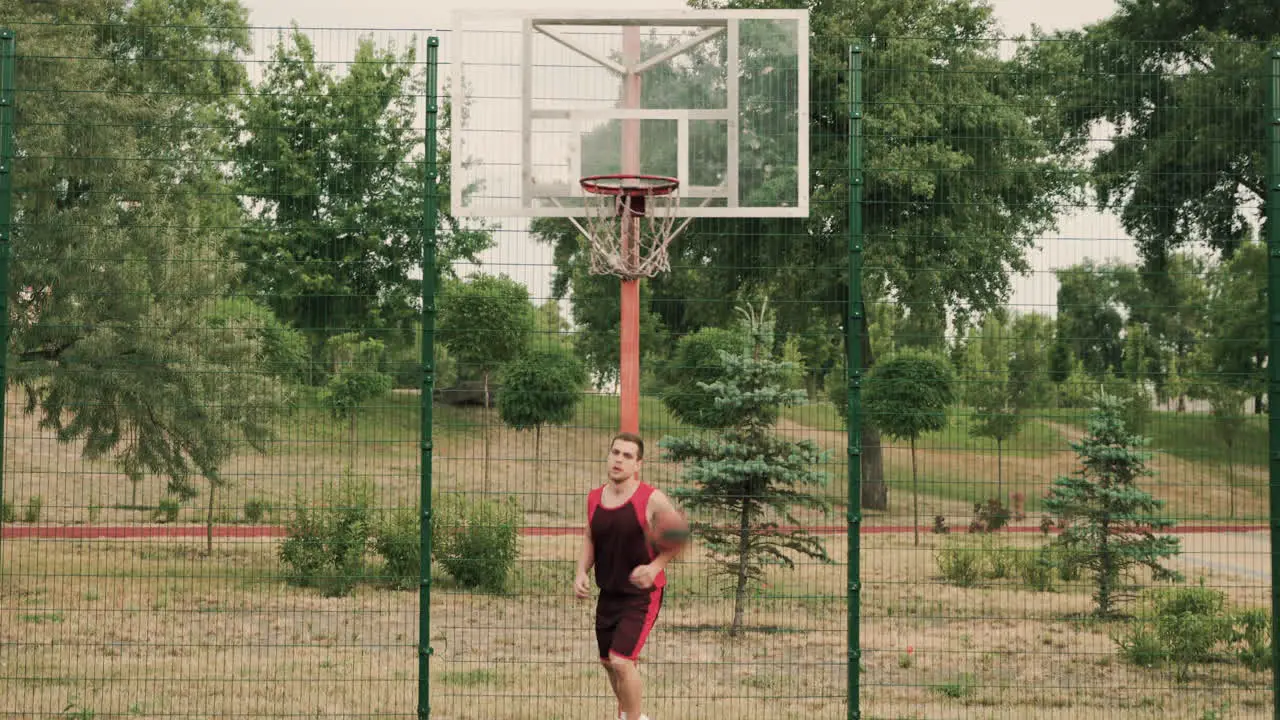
column 1187, row 626
column 255, row 509
column 326, row 542
column 397, row 540
column 7, row 512
column 989, row 516
column 477, row 541
column 960, row 566
column 168, row 509
column 1036, row 569
column 34, row 505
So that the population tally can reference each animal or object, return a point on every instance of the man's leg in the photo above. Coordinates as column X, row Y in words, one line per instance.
column 606, row 626
column 613, row 683
column 624, row 654
column 629, row 687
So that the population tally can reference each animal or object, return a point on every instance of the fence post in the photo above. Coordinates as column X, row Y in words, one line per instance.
column 853, row 364
column 427, row 385
column 8, row 58
column 1272, row 209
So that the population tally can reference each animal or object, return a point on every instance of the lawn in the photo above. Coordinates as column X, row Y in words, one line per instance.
column 154, row 629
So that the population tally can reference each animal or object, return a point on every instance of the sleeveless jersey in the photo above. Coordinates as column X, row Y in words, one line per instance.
column 620, row 538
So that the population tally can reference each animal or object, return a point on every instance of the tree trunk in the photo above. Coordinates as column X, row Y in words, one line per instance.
column 1105, row 565
column 875, row 494
column 208, row 527
column 744, row 548
column 537, row 468
column 915, row 496
column 1231, row 481
column 1000, row 470
column 486, row 431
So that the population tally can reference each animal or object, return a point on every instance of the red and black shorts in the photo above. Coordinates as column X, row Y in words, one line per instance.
column 623, row 622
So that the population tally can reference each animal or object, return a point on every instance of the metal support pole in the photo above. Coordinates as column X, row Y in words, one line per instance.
column 8, row 58
column 1272, row 209
column 855, row 327
column 429, row 219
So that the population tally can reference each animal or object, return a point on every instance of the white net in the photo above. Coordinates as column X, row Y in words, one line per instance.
column 652, row 221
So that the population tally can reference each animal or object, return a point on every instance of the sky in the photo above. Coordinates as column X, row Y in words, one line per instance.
column 1081, row 232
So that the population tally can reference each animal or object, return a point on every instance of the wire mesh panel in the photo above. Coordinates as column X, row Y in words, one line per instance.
column 212, row 428
column 1075, row 453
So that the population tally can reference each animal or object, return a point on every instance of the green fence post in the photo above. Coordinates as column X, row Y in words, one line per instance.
column 8, row 57
column 427, row 383
column 1272, row 209
column 853, row 343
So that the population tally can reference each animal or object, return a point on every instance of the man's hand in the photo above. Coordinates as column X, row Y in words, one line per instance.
column 644, row 576
column 582, row 585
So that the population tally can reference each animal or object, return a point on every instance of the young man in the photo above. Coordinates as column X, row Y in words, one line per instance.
column 631, row 577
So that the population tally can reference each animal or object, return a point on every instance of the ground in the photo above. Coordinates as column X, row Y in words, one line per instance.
column 101, row 627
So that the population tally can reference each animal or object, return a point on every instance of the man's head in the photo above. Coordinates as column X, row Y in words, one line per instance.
column 626, row 455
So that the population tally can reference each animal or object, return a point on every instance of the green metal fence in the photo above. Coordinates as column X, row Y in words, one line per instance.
column 284, row 436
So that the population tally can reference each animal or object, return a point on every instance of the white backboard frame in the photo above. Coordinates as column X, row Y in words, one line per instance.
column 718, row 21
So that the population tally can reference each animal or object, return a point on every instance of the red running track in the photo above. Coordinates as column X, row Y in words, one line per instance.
column 133, row 532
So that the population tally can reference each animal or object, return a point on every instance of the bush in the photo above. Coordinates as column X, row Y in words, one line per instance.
column 34, row 506
column 326, row 543
column 397, row 540
column 478, row 541
column 1036, row 569
column 168, row 509
column 1188, row 626
column 255, row 509
column 961, row 566
column 989, row 517
column 7, row 512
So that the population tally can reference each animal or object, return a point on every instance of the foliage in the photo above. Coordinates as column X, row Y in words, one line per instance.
column 338, row 257
column 989, row 517
column 744, row 471
column 907, row 395
column 1193, row 625
column 695, row 365
column 477, row 541
column 1109, row 523
column 356, row 378
column 326, row 540
column 397, row 539
column 104, row 353
column 486, row 322
column 541, row 386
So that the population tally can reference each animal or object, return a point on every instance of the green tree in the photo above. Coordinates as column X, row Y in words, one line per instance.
column 697, row 363
column 329, row 167
column 1168, row 74
column 355, row 378
column 486, row 322
column 1235, row 343
column 542, row 386
column 1089, row 316
column 1226, row 405
column 940, row 237
column 906, row 396
column 747, row 472
column 1109, row 523
column 120, row 250
column 998, row 396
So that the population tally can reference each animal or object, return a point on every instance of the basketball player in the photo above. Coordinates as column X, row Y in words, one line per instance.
column 631, row 577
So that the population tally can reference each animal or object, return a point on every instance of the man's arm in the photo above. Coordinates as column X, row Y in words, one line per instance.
column 588, row 557
column 659, row 502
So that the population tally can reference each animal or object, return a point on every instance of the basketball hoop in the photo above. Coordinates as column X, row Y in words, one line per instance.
column 629, row 223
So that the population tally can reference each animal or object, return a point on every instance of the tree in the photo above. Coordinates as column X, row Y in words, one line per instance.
column 1109, row 523
column 120, row 247
column 542, row 386
column 331, row 170
column 697, row 363
column 998, row 397
column 1166, row 75
column 1235, row 344
column 941, row 238
column 1089, row 317
column 486, row 322
column 745, row 471
column 354, row 379
column 1226, row 405
column 907, row 395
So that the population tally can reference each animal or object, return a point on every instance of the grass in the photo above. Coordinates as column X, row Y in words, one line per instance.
column 1194, row 437
column 227, row 635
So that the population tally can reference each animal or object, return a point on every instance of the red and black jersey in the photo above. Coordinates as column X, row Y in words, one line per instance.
column 620, row 537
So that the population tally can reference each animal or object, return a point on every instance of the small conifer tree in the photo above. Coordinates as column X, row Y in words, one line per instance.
column 744, row 480
column 1109, row 523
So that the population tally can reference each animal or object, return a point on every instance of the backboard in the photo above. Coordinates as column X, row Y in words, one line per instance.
column 718, row 99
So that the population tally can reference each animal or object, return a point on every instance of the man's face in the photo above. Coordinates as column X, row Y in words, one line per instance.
column 624, row 461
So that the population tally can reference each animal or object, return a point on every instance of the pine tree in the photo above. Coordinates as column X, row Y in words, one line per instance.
column 746, row 472
column 1109, row 522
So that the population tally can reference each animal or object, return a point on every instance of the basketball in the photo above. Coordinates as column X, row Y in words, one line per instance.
column 669, row 531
